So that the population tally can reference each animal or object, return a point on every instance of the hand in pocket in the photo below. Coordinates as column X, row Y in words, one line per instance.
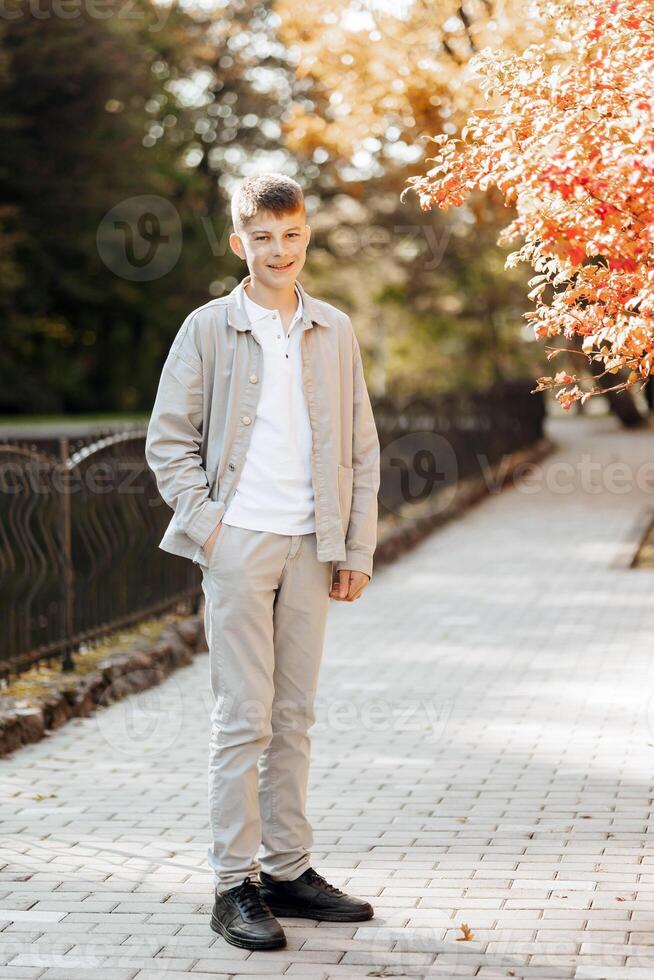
column 210, row 543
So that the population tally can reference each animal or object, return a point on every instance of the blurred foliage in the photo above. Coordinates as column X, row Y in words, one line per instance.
column 432, row 304
column 178, row 103
column 96, row 110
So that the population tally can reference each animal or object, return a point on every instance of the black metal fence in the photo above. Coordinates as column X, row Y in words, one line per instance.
column 80, row 519
column 428, row 444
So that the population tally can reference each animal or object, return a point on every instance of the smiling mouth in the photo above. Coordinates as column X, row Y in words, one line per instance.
column 281, row 268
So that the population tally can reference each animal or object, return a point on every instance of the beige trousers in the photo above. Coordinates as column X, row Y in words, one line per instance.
column 266, row 602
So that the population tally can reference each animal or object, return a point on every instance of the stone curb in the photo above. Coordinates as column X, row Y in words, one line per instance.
column 142, row 664
column 145, row 664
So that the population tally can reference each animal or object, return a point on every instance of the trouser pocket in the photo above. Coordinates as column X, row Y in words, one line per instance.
column 209, row 563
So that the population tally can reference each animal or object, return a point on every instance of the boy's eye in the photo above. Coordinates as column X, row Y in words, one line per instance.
column 292, row 234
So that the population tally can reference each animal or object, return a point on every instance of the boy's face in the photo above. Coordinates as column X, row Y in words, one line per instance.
column 273, row 246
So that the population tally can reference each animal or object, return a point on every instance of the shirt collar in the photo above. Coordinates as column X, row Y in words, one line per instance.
column 314, row 311
column 256, row 312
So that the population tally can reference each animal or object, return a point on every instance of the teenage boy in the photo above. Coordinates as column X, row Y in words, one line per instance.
column 262, row 440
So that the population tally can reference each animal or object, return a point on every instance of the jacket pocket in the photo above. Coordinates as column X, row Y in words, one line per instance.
column 345, row 485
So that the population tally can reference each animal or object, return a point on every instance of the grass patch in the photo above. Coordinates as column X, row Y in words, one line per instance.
column 30, row 687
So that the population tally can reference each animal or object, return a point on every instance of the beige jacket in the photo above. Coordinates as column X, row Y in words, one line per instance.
column 202, row 419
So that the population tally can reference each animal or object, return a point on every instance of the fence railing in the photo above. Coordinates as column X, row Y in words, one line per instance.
column 428, row 444
column 81, row 519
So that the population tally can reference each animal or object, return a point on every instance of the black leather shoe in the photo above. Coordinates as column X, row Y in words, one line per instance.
column 311, row 897
column 243, row 918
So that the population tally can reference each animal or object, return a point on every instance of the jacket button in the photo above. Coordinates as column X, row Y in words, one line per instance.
column 253, row 379
column 231, row 466
column 246, row 420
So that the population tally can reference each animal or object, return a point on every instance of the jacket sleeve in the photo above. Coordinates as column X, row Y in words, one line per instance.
column 174, row 437
column 361, row 538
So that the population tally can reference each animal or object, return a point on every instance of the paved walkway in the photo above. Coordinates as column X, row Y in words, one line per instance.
column 484, row 754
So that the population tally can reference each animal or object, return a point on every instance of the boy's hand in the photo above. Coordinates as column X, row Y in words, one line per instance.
column 349, row 585
column 208, row 545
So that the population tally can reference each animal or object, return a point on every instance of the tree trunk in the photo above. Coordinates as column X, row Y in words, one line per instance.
column 649, row 393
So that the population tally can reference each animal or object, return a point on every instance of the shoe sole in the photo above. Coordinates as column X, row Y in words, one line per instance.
column 289, row 913
column 218, row 927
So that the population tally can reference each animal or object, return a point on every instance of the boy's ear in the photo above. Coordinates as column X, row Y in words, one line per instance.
column 236, row 245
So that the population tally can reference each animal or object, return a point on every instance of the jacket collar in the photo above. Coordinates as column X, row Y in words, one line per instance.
column 237, row 314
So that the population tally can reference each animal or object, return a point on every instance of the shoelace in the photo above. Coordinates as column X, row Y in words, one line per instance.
column 317, row 879
column 249, row 899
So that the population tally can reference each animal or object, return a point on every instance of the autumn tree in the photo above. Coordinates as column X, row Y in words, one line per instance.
column 372, row 80
column 569, row 143
column 374, row 77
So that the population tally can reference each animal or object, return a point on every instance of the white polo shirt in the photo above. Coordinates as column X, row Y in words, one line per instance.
column 274, row 492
